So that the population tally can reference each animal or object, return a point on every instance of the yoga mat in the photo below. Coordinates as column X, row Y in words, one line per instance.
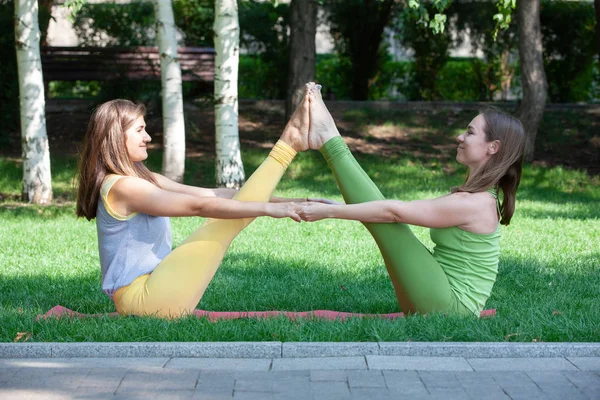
column 213, row 316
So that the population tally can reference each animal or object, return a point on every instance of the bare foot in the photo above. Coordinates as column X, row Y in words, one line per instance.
column 296, row 131
column 322, row 126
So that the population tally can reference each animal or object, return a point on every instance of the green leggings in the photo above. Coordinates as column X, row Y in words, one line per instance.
column 419, row 281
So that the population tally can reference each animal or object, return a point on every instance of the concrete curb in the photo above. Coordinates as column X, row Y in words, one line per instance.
column 274, row 350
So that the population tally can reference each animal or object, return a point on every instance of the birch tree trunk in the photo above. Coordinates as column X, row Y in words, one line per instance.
column 303, row 24
column 533, row 76
column 229, row 169
column 37, row 180
column 173, row 164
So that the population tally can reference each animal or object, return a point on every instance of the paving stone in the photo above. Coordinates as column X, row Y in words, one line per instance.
column 366, row 393
column 512, row 378
column 292, row 383
column 518, row 385
column 556, row 385
column 410, row 392
column 591, row 393
column 439, row 379
column 521, row 364
column 328, row 349
column 366, row 379
column 330, row 391
column 486, row 392
column 341, row 363
column 418, row 363
column 228, row 364
column 202, row 395
column 475, row 377
column 481, row 385
column 156, row 395
column 401, row 378
column 294, row 375
column 125, row 363
column 323, row 375
column 92, row 394
column 448, row 394
column 583, row 379
column 103, row 378
column 262, row 382
column 252, row 396
column 586, row 363
column 134, row 382
column 177, row 379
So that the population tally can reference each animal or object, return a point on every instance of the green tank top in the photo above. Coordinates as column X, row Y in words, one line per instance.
column 470, row 261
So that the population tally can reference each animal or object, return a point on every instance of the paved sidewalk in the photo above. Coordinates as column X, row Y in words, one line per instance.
column 558, row 373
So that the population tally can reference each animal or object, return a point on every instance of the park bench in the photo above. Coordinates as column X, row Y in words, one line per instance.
column 135, row 63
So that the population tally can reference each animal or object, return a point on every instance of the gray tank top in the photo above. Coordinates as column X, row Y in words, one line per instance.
column 130, row 246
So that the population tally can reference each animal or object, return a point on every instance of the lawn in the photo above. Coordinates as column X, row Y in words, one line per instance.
column 548, row 286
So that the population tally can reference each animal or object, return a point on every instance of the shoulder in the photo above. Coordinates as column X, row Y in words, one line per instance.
column 471, row 201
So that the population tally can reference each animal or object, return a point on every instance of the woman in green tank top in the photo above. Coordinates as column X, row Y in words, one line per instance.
column 459, row 275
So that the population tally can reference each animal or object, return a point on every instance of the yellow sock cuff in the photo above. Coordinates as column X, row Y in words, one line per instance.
column 283, row 153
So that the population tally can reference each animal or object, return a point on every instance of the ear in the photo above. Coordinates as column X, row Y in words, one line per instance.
column 494, row 147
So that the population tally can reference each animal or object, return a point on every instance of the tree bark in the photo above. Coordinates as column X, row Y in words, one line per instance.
column 303, row 25
column 37, row 179
column 173, row 165
column 229, row 169
column 364, row 40
column 533, row 77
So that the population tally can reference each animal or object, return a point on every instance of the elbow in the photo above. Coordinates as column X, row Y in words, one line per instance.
column 394, row 213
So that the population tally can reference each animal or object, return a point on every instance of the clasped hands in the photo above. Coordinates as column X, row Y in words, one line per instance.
column 314, row 209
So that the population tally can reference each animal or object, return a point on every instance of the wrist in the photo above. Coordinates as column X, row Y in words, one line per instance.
column 268, row 209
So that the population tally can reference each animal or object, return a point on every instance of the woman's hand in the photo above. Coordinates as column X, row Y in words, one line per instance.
column 312, row 211
column 283, row 210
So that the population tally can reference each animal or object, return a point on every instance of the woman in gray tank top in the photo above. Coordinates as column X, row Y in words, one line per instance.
column 132, row 207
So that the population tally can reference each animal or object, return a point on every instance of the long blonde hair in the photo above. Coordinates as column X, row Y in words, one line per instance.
column 105, row 152
column 503, row 169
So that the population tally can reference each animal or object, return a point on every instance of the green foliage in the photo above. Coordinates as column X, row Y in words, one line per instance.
column 195, row 19
column 455, row 81
column 431, row 51
column 264, row 28
column 568, row 37
column 116, row 24
column 331, row 70
column 497, row 72
column 504, row 16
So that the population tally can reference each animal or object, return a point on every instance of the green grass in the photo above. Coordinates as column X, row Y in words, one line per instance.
column 548, row 287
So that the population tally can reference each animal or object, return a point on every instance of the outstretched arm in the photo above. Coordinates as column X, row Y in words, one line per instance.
column 458, row 209
column 223, row 193
column 130, row 194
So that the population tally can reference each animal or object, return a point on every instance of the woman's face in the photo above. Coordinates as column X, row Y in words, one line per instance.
column 473, row 148
column 136, row 140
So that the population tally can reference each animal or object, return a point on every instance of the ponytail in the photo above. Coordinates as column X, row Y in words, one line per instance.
column 509, row 184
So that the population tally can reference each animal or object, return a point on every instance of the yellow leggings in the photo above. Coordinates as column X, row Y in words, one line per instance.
column 177, row 284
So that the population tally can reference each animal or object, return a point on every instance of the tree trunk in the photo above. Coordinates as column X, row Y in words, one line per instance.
column 303, row 24
column 364, row 42
column 173, row 164
column 37, row 180
column 229, row 169
column 533, row 77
